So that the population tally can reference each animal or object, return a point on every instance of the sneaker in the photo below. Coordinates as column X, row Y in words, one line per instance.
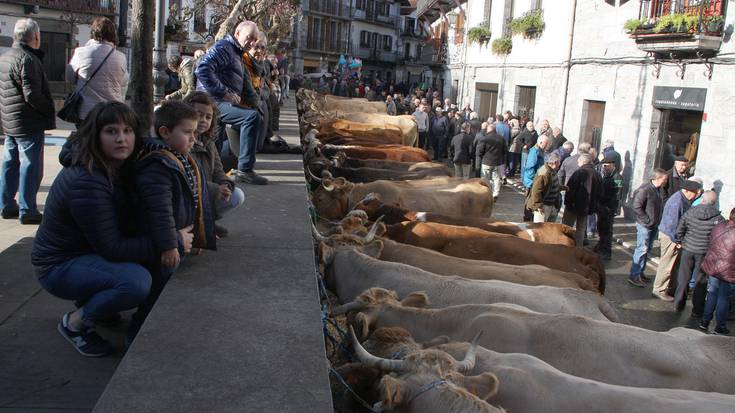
column 637, row 282
column 31, row 218
column 250, row 177
column 663, row 296
column 645, row 279
column 11, row 213
column 87, row 342
column 220, row 231
column 723, row 331
column 704, row 327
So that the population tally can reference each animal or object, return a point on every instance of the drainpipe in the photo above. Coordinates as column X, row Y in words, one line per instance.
column 567, row 65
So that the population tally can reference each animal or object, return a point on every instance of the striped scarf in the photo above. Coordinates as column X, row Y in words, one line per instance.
column 186, row 163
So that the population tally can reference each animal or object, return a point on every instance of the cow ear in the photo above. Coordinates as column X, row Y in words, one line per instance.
column 327, row 253
column 361, row 324
column 393, row 391
column 373, row 249
column 418, row 300
column 484, row 386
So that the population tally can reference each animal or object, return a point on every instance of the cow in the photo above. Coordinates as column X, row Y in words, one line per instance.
column 350, row 272
column 363, row 175
column 340, row 105
column 474, row 243
column 608, row 352
column 387, row 152
column 331, row 130
column 341, row 160
column 333, row 199
column 545, row 233
column 429, row 381
column 406, row 123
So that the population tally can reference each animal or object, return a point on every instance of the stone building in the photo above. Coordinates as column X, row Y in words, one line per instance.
column 658, row 88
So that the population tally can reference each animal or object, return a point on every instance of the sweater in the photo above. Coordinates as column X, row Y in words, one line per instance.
column 695, row 227
column 674, row 209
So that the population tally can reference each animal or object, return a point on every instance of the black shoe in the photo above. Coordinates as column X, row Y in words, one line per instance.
column 220, row 231
column 87, row 342
column 704, row 327
column 722, row 331
column 31, row 218
column 696, row 315
column 250, row 177
column 11, row 213
column 109, row 320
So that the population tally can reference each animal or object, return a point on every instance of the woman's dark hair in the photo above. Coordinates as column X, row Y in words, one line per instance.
column 103, row 29
column 86, row 142
column 203, row 98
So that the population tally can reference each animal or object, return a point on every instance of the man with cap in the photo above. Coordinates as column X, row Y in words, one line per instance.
column 612, row 183
column 677, row 175
column 582, row 198
column 439, row 134
column 674, row 208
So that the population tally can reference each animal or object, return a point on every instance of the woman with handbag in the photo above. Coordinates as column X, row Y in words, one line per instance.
column 97, row 71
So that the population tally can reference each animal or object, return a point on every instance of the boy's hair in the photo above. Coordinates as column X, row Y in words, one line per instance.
column 171, row 113
column 203, row 98
column 88, row 151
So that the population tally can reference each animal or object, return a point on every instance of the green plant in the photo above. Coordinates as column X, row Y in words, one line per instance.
column 663, row 23
column 502, row 46
column 676, row 22
column 478, row 34
column 633, row 24
column 530, row 24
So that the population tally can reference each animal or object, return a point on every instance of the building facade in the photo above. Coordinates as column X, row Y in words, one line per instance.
column 658, row 90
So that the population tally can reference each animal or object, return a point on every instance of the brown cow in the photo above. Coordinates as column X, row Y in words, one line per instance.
column 473, row 243
column 341, row 160
column 406, row 123
column 399, row 153
column 340, row 131
column 545, row 233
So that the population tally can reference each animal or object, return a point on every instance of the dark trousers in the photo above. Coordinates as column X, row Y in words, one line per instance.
column 690, row 262
column 605, row 219
column 424, row 140
column 527, row 213
column 439, row 144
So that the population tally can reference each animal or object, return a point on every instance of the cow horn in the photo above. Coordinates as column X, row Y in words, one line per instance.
column 373, row 361
column 329, row 187
column 319, row 237
column 347, row 307
column 371, row 234
column 466, row 365
column 313, row 177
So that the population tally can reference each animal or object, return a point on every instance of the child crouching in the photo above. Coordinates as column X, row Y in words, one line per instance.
column 223, row 194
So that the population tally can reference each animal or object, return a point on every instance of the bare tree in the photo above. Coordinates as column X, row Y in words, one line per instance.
column 142, row 61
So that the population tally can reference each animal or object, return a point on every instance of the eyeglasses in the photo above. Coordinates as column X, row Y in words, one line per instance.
column 259, row 47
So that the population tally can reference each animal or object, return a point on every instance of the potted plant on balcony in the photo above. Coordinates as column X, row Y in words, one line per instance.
column 502, row 46
column 715, row 23
column 530, row 25
column 632, row 25
column 479, row 33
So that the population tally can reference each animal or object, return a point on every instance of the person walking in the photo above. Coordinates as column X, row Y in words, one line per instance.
column 439, row 134
column 612, row 184
column 694, row 231
column 110, row 82
column 719, row 265
column 673, row 210
column 545, row 198
column 584, row 191
column 490, row 153
column 515, row 149
column 460, row 150
column 648, row 208
column 26, row 111
column 422, row 120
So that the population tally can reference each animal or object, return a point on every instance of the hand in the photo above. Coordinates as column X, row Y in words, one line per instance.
column 187, row 237
column 677, row 246
column 232, row 98
column 224, row 192
column 171, row 258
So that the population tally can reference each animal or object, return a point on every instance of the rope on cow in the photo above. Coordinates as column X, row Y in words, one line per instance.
column 353, row 393
column 326, row 319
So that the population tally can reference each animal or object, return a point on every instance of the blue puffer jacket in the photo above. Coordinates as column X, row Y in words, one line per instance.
column 220, row 71
column 84, row 214
column 534, row 161
column 674, row 209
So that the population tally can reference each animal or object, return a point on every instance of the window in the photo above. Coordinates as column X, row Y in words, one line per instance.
column 380, row 8
column 360, row 4
column 536, row 4
column 407, row 51
column 387, row 43
column 486, row 11
column 525, row 100
column 364, row 38
column 408, row 24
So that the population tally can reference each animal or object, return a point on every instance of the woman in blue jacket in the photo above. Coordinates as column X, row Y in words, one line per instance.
column 82, row 250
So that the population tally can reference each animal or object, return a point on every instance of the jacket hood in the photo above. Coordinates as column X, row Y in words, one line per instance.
column 705, row 212
column 66, row 154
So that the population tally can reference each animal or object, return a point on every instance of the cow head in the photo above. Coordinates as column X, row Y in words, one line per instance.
column 393, row 214
column 332, row 198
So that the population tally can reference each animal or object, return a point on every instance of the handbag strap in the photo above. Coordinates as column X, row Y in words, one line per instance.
column 96, row 70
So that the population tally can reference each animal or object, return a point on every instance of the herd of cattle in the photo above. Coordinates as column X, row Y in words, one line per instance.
column 452, row 311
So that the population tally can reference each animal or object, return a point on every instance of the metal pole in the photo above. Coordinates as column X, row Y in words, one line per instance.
column 141, row 62
column 159, row 53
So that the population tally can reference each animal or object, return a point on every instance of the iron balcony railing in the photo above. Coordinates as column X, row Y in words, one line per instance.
column 105, row 7
column 710, row 14
column 377, row 53
column 332, row 8
column 373, row 17
column 323, row 44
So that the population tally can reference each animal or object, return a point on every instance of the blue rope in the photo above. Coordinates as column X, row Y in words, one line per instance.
column 427, row 387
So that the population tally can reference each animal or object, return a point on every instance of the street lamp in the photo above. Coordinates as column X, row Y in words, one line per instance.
column 452, row 19
column 159, row 54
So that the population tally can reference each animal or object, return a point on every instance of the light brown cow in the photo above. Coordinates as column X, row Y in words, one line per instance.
column 546, row 233
column 399, row 153
column 335, row 198
column 340, row 132
column 406, row 123
column 340, row 159
column 473, row 243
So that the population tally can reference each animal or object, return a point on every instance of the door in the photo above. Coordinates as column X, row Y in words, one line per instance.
column 486, row 100
column 679, row 136
column 54, row 47
column 593, row 117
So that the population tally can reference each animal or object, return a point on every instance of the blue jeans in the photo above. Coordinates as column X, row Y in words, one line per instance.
column 22, row 171
column 644, row 244
column 718, row 299
column 104, row 287
column 236, row 199
column 247, row 122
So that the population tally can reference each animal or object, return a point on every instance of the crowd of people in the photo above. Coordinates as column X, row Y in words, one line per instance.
column 130, row 204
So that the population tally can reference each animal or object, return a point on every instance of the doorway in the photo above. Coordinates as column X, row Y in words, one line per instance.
column 678, row 136
column 486, row 100
column 593, row 117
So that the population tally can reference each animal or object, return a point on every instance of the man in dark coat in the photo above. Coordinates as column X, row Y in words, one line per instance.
column 460, row 150
column 612, row 184
column 490, row 151
column 584, row 191
column 677, row 175
column 648, row 208
column 439, row 134
column 558, row 139
column 694, row 230
column 609, row 152
column 27, row 110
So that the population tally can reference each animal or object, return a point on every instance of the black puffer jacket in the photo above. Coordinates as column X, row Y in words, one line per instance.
column 26, row 105
column 648, row 205
column 696, row 226
column 85, row 214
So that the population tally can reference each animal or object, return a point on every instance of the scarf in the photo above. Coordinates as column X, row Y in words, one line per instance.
column 252, row 66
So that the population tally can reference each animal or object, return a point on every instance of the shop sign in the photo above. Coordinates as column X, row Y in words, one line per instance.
column 684, row 98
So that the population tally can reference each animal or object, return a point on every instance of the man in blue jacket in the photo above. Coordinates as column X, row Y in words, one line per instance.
column 221, row 74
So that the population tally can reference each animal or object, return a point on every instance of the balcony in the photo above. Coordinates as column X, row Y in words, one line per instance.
column 412, row 32
column 333, row 9
column 433, row 9
column 434, row 53
column 373, row 53
column 679, row 28
column 104, row 7
column 323, row 45
column 372, row 17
